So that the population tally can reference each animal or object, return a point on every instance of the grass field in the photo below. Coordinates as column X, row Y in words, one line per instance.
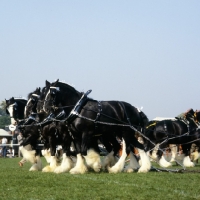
column 18, row 183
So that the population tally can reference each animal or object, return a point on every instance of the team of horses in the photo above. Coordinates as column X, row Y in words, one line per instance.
column 59, row 115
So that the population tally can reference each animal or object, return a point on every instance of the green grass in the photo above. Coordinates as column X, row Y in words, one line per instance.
column 18, row 183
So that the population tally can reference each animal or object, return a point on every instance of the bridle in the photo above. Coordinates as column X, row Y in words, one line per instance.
column 14, row 105
column 52, row 92
column 33, row 100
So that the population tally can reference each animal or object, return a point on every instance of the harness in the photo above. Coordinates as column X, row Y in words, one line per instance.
column 77, row 108
column 151, row 125
column 98, row 114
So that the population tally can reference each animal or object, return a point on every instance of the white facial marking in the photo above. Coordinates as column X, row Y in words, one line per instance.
column 45, row 101
column 26, row 107
column 57, row 88
column 36, row 95
column 10, row 110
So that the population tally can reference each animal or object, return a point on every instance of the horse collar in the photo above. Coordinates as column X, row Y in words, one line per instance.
column 78, row 107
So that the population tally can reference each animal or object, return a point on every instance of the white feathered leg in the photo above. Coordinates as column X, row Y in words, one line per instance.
column 93, row 160
column 52, row 166
column 153, row 156
column 174, row 150
column 195, row 156
column 37, row 166
column 133, row 164
column 119, row 166
column 145, row 162
column 28, row 155
column 163, row 162
column 47, row 155
column 187, row 162
column 80, row 167
column 65, row 166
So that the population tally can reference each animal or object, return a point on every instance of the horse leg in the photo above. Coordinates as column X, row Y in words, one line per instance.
column 67, row 162
column 161, row 159
column 92, row 158
column 112, row 146
column 53, row 161
column 38, row 165
column 186, row 160
column 133, row 164
column 119, row 166
column 80, row 167
column 27, row 151
column 144, row 159
column 195, row 155
column 46, row 152
column 174, row 150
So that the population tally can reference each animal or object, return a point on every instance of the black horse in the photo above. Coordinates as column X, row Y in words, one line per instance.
column 53, row 133
column 181, row 131
column 88, row 119
column 16, row 108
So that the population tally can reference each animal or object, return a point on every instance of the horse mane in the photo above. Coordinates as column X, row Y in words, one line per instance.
column 67, row 86
column 35, row 91
column 21, row 99
column 29, row 95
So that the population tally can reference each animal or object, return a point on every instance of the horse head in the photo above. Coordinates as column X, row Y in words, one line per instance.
column 31, row 105
column 62, row 94
column 15, row 108
column 43, row 93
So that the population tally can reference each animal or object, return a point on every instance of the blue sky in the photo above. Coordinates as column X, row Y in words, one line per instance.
column 146, row 53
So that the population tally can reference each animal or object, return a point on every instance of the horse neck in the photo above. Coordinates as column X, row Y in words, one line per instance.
column 21, row 108
column 69, row 99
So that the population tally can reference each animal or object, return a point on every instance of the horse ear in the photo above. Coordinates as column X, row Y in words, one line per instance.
column 13, row 98
column 56, row 82
column 47, row 83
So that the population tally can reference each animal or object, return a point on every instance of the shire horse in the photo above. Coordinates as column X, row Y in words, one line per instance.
column 53, row 133
column 89, row 119
column 181, row 131
column 30, row 137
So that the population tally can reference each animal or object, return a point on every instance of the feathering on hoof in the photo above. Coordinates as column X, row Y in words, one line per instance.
column 93, row 160
column 119, row 166
column 145, row 162
column 65, row 166
column 28, row 155
column 80, row 167
column 133, row 164
column 52, row 166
